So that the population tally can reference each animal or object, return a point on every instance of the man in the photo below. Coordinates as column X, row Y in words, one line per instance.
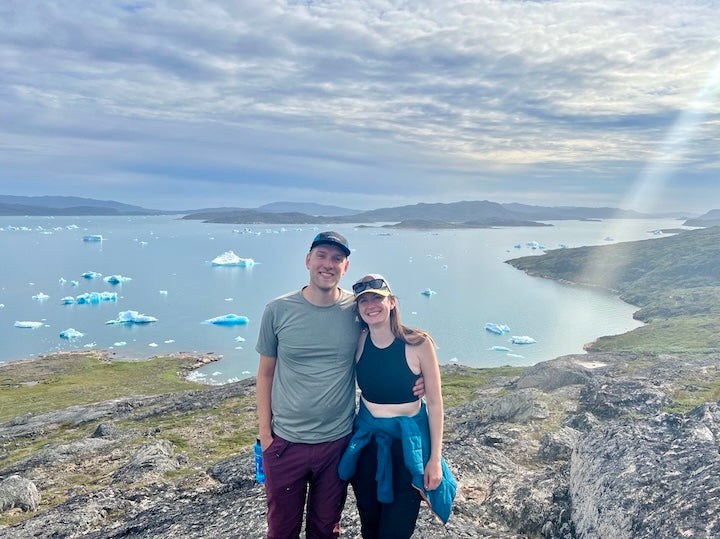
column 306, row 394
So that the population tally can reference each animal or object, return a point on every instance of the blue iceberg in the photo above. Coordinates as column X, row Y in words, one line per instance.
column 116, row 279
column 94, row 297
column 522, row 339
column 228, row 320
column 93, row 237
column 499, row 329
column 91, row 275
column 229, row 258
column 71, row 334
column 132, row 317
column 428, row 292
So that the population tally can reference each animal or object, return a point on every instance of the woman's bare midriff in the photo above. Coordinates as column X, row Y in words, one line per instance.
column 408, row 409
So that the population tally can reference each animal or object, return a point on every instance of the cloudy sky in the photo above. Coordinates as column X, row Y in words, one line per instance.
column 180, row 104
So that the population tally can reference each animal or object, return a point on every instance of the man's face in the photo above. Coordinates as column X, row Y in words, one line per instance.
column 326, row 264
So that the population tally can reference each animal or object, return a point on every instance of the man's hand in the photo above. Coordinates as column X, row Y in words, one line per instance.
column 419, row 388
column 265, row 440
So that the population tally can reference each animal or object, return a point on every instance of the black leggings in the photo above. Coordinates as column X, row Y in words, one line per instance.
column 394, row 520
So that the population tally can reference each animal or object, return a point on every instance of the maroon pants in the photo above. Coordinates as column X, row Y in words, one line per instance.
column 290, row 468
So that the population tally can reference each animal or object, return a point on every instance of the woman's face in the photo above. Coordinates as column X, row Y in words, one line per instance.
column 374, row 308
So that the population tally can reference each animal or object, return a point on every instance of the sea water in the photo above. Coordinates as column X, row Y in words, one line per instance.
column 168, row 261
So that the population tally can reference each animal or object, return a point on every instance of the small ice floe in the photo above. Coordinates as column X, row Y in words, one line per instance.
column 74, row 283
column 428, row 292
column 609, row 238
column 116, row 279
column 517, row 246
column 2, row 305
column 93, row 237
column 120, row 343
column 229, row 258
column 91, row 275
column 217, row 373
column 132, row 317
column 67, row 300
column 239, row 339
column 453, row 360
column 499, row 329
column 26, row 324
column 196, row 376
column 533, row 244
column 40, row 296
column 71, row 334
column 163, row 292
column 62, row 281
column 90, row 345
column 229, row 299
column 228, row 320
column 515, row 355
column 169, row 341
column 522, row 339
column 95, row 297
column 153, row 345
column 500, row 348
column 238, row 348
column 246, row 372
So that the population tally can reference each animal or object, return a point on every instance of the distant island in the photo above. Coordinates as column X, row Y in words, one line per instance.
column 463, row 214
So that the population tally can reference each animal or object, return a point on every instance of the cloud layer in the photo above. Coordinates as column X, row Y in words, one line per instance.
column 362, row 103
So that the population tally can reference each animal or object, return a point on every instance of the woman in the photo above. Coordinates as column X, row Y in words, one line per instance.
column 394, row 459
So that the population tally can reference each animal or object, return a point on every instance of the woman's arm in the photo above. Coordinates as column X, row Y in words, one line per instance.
column 433, row 398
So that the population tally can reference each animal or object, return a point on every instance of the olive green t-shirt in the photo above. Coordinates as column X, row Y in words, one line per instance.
column 313, row 390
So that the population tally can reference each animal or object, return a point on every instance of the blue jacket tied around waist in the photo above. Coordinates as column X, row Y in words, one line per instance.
column 415, row 435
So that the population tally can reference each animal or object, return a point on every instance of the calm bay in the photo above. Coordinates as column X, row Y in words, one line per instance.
column 168, row 261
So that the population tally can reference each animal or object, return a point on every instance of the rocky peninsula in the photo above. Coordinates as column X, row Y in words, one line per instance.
column 620, row 442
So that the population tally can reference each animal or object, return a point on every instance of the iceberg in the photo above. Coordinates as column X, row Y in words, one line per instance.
column 71, row 334
column 40, row 296
column 499, row 329
column 93, row 237
column 500, row 348
column 28, row 325
column 91, row 275
column 522, row 339
column 95, row 297
column 132, row 317
column 428, row 292
column 228, row 320
column 68, row 300
column 229, row 258
column 116, row 279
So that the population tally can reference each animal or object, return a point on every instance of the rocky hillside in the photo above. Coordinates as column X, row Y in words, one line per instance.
column 593, row 446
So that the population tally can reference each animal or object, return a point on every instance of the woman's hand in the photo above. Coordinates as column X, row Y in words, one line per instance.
column 433, row 474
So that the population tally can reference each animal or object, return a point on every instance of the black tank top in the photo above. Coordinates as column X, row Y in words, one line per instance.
column 383, row 374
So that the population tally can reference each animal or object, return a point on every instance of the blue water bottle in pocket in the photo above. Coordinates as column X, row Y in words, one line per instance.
column 259, row 474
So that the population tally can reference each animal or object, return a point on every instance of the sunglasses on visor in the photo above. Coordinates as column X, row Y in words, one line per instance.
column 374, row 284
